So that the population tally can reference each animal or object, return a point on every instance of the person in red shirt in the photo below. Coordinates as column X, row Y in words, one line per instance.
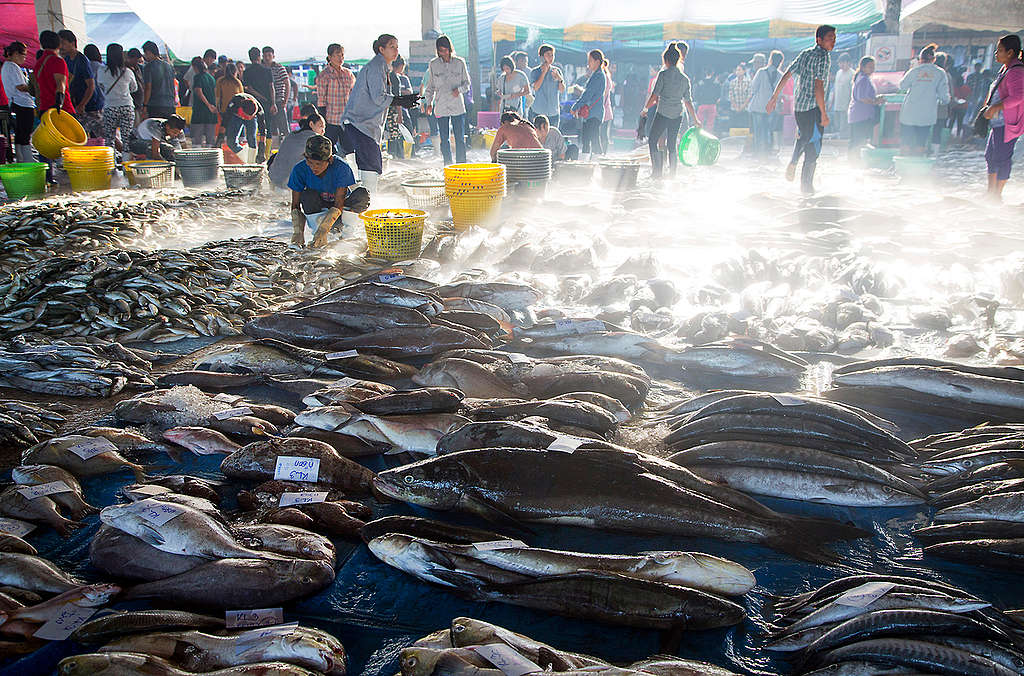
column 52, row 76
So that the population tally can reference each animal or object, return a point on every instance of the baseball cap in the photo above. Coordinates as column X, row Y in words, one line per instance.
column 319, row 147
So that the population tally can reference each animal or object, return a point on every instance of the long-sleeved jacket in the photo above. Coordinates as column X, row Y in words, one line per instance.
column 927, row 87
column 1011, row 93
column 445, row 77
column 593, row 95
column 370, row 98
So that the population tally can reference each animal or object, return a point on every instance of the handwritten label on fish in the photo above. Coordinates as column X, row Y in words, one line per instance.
column 39, row 490
column 566, row 444
column 303, row 498
column 159, row 514
column 510, row 662
column 388, row 277
column 260, row 617
column 866, row 594
column 14, row 527
column 253, row 638
column 787, row 400
column 493, row 545
column 345, row 354
column 146, row 491
column 227, row 414
column 346, row 383
column 293, row 468
column 93, row 447
column 579, row 326
column 228, row 398
column 67, row 619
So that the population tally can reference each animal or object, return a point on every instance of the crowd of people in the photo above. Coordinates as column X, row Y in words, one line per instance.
column 131, row 99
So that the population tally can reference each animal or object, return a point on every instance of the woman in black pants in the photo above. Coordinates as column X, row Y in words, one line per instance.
column 590, row 107
column 22, row 104
column 671, row 91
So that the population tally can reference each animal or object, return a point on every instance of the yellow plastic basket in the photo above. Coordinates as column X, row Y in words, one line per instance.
column 185, row 112
column 468, row 211
column 394, row 234
column 89, row 179
column 57, row 130
column 475, row 174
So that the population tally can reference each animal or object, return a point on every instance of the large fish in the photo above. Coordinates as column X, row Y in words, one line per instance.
column 942, row 382
column 414, row 433
column 125, row 556
column 129, row 664
column 34, row 573
column 57, row 451
column 258, row 461
column 72, row 499
column 629, row 492
column 121, row 622
column 410, row 341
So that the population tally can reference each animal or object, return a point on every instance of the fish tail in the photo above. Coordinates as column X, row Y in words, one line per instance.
column 804, row 538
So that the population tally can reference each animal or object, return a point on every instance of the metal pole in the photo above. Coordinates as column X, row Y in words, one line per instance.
column 474, row 61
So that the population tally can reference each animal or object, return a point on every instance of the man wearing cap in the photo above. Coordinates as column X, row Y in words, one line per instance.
column 322, row 181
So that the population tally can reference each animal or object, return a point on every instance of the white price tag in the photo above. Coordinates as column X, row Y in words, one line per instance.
column 228, row 398
column 345, row 354
column 345, row 383
column 93, row 447
column 14, row 527
column 519, row 358
column 493, row 545
column 250, row 639
column 293, row 468
column 145, row 491
column 233, row 413
column 64, row 623
column 579, row 326
column 39, row 490
column 159, row 513
column 566, row 444
column 388, row 277
column 788, row 400
column 304, row 498
column 510, row 662
column 866, row 594
column 261, row 617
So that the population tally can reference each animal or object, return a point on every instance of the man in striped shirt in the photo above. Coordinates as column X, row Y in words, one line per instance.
column 333, row 85
column 277, row 120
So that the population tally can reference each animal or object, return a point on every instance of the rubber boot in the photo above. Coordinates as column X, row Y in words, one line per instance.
column 298, row 228
column 23, row 153
column 369, row 180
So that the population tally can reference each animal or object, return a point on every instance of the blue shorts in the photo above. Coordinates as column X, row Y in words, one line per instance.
column 915, row 136
column 368, row 157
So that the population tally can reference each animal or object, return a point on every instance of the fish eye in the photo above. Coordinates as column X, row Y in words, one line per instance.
column 458, row 628
column 410, row 661
column 408, row 478
column 968, row 463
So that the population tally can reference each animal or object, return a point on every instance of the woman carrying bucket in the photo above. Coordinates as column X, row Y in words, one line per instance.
column 671, row 92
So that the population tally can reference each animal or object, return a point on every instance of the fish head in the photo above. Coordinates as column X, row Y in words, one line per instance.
column 307, row 574
column 399, row 550
column 97, row 594
column 306, row 643
column 466, row 631
column 439, row 640
column 419, row 661
column 94, row 663
column 436, row 483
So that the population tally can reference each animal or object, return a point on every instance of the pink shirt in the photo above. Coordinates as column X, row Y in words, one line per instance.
column 609, row 86
column 1011, row 93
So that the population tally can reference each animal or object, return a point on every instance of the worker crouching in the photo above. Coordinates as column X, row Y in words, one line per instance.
column 322, row 181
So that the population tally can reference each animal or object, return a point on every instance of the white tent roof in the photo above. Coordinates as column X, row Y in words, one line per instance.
column 298, row 29
column 1000, row 16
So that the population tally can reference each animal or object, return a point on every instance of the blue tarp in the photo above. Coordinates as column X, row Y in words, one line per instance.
column 124, row 28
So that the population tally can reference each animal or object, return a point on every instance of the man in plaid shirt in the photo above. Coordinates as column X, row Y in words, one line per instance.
column 277, row 120
column 811, row 68
column 333, row 86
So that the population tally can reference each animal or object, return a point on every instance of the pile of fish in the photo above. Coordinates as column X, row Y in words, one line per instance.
column 792, row 446
column 949, row 389
column 978, row 491
column 95, row 369
column 476, row 648
column 875, row 624
column 23, row 425
column 165, row 642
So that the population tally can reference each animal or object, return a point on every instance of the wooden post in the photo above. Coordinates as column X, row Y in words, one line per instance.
column 473, row 62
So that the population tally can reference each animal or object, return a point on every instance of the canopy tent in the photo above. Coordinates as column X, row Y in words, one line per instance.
column 453, row 24
column 662, row 20
column 109, row 21
column 19, row 23
column 301, row 32
column 1000, row 16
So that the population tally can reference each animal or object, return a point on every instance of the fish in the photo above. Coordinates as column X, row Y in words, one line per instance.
column 469, row 377
column 413, row 402
column 626, row 492
column 998, row 507
column 35, row 574
column 201, row 440
column 421, row 661
column 118, row 663
column 738, row 359
column 16, row 545
column 413, row 433
column 570, row 412
column 86, row 596
column 426, row 528
column 467, row 631
column 996, row 553
column 57, row 451
column 953, row 385
column 970, row 530
column 506, row 295
column 410, row 342
column 41, row 509
column 72, row 500
column 121, row 622
column 286, row 540
column 379, row 294
column 258, row 461
column 916, row 654
column 617, row 344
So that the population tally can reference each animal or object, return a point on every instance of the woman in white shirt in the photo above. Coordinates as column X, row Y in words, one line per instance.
column 117, row 84
column 22, row 104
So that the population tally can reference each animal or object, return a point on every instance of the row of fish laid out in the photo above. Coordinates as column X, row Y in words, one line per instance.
column 23, row 424
column 881, row 624
column 471, row 647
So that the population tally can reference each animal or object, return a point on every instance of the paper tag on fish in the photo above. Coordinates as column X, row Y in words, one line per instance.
column 260, row 617
column 492, row 545
column 38, row 491
column 93, row 447
column 14, row 527
column 866, row 594
column 304, row 498
column 787, row 400
column 518, row 358
column 510, row 662
column 228, row 398
column 345, row 383
column 292, row 468
column 346, row 354
column 69, row 618
column 159, row 514
column 145, row 491
column 566, row 444
column 253, row 638
column 579, row 326
column 233, row 413
column 390, row 276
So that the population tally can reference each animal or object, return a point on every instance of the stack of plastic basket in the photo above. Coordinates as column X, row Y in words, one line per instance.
column 394, row 234
column 198, row 166
column 475, row 192
column 149, row 173
column 425, row 193
column 528, row 168
column 88, row 167
column 23, row 179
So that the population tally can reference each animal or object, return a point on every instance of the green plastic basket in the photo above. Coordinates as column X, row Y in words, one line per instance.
column 699, row 147
column 23, row 179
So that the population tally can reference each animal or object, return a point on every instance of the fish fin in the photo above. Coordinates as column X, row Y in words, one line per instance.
column 174, row 452
column 467, row 584
column 151, row 536
column 492, row 511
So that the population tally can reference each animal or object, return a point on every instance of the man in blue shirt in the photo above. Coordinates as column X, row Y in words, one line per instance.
column 85, row 95
column 322, row 181
column 547, row 83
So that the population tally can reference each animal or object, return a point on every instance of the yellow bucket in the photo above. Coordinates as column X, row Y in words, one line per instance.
column 471, row 210
column 87, row 157
column 475, row 174
column 185, row 112
column 394, row 234
column 57, row 131
column 89, row 179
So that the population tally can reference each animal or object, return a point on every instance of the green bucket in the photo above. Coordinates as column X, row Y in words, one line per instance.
column 23, row 179
column 877, row 158
column 698, row 146
column 913, row 166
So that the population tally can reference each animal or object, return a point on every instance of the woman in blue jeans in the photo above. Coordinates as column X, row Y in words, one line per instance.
column 590, row 107
column 447, row 82
column 244, row 113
